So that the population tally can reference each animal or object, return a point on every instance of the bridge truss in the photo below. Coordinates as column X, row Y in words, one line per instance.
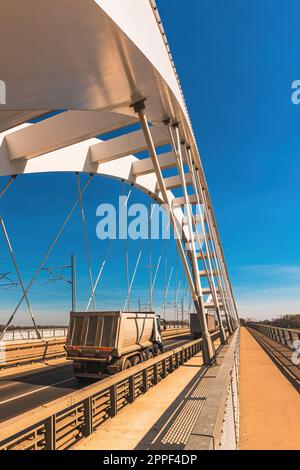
column 106, row 66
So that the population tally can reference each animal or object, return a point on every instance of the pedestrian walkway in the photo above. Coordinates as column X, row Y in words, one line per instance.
column 269, row 404
column 163, row 418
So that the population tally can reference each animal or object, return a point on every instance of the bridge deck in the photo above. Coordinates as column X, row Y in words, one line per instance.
column 161, row 419
column 269, row 404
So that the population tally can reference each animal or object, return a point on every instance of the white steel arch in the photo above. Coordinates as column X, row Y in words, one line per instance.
column 107, row 65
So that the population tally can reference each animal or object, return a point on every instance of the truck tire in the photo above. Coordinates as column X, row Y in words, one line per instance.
column 135, row 360
column 126, row 364
column 156, row 350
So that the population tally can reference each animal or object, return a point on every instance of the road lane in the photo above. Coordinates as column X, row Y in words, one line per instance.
column 23, row 392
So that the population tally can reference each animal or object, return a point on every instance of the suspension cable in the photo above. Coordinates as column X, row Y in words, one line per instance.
column 150, row 303
column 86, row 240
column 133, row 277
column 19, row 276
column 176, row 286
column 46, row 256
column 167, row 289
column 100, row 273
column 127, row 302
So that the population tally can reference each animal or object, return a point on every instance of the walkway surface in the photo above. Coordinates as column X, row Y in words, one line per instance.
column 163, row 418
column 269, row 404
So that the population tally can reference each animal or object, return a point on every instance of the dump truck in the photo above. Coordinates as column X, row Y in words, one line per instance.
column 104, row 343
column 196, row 327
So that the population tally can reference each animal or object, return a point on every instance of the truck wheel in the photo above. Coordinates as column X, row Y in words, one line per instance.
column 135, row 360
column 126, row 364
column 156, row 350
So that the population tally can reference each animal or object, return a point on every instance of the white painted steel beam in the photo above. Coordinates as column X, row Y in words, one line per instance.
column 62, row 130
column 114, row 61
column 145, row 166
column 180, row 202
column 127, row 144
column 10, row 119
column 173, row 182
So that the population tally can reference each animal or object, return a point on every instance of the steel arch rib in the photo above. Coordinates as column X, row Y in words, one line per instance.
column 119, row 61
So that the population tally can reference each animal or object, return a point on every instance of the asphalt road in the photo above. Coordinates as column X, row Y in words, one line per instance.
column 23, row 392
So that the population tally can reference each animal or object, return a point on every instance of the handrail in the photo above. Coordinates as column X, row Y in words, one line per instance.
column 285, row 336
column 61, row 423
column 273, row 326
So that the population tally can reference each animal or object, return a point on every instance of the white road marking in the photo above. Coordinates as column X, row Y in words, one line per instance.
column 35, row 391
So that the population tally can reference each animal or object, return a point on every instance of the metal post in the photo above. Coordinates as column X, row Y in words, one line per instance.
column 139, row 108
column 210, row 271
column 113, row 400
column 88, row 416
column 50, row 428
column 220, row 283
column 219, row 265
column 150, row 257
column 207, row 344
column 73, row 270
column 131, row 386
column 208, row 349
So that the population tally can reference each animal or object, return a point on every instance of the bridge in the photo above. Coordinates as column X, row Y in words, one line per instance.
column 76, row 72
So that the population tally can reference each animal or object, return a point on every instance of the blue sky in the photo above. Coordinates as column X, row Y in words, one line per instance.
column 236, row 60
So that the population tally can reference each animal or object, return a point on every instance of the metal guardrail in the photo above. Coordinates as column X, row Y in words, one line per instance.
column 28, row 334
column 283, row 347
column 38, row 351
column 60, row 424
column 217, row 427
column 284, row 336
